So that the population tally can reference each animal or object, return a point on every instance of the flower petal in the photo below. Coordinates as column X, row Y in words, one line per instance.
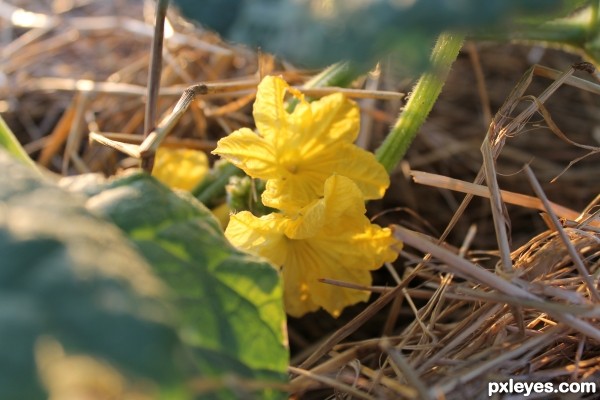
column 334, row 298
column 346, row 257
column 260, row 236
column 305, row 265
column 334, row 118
column 341, row 197
column 180, row 168
column 332, row 238
column 346, row 248
column 314, row 127
column 308, row 222
column 250, row 152
column 296, row 289
column 363, row 168
column 269, row 113
column 296, row 189
column 379, row 243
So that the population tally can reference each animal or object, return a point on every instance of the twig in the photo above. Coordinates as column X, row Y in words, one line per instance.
column 151, row 142
column 409, row 373
column 331, row 383
column 481, row 316
column 484, row 98
column 75, row 133
column 561, row 232
column 574, row 81
column 584, row 311
column 501, row 223
column 496, row 135
column 131, row 150
column 533, row 343
column 443, row 182
column 214, row 89
column 327, row 367
column 154, row 78
column 357, row 322
column 481, row 275
column 59, row 135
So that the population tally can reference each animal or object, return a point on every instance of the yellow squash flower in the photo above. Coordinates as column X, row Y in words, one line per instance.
column 180, row 168
column 296, row 152
column 329, row 238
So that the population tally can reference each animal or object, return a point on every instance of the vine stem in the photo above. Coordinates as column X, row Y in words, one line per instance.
column 154, row 77
column 578, row 32
column 420, row 103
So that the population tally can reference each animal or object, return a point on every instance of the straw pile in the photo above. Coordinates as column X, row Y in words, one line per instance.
column 84, row 69
column 441, row 325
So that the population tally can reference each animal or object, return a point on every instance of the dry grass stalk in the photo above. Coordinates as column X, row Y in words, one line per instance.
column 444, row 182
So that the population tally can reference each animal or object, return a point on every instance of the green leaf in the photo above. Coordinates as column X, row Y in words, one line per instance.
column 318, row 33
column 230, row 303
column 9, row 142
column 67, row 274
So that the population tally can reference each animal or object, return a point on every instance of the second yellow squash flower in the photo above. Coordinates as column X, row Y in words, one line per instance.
column 180, row 168
column 330, row 238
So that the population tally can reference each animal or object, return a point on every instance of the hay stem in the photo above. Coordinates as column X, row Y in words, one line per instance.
column 407, row 370
column 444, row 182
column 480, row 275
column 583, row 272
column 154, row 78
column 330, row 382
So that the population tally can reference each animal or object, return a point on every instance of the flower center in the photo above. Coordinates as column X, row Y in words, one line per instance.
column 290, row 166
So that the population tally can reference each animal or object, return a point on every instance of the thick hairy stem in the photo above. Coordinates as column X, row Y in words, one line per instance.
column 423, row 97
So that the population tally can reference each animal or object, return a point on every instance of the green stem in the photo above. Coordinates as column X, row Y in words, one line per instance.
column 340, row 74
column 10, row 143
column 595, row 9
column 555, row 33
column 212, row 188
column 424, row 96
column 578, row 32
column 571, row 31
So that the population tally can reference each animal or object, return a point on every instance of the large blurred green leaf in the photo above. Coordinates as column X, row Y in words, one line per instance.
column 230, row 303
column 67, row 274
column 318, row 32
